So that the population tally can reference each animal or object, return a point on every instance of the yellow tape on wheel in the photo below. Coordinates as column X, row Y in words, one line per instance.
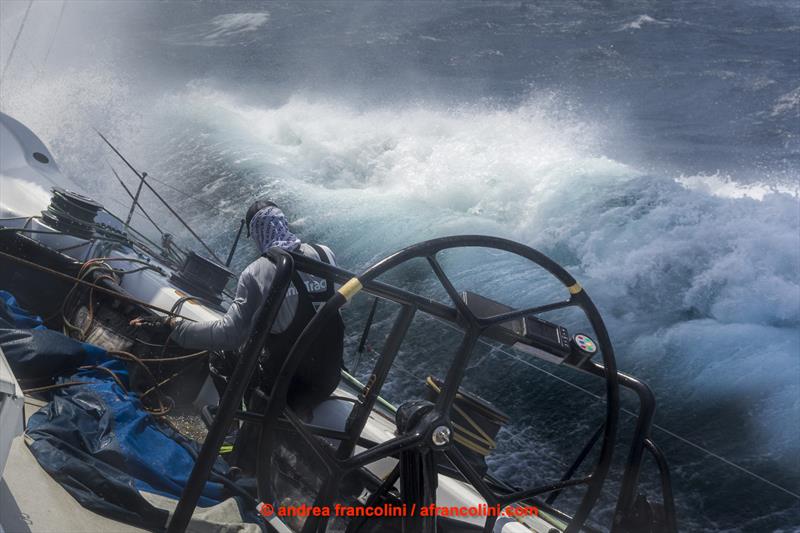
column 575, row 289
column 349, row 289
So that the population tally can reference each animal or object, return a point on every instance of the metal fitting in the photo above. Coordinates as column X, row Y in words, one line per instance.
column 441, row 436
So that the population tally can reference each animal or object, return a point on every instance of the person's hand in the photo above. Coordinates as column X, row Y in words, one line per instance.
column 159, row 324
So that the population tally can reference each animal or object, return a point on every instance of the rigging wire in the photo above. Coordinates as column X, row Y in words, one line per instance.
column 161, row 198
column 184, row 193
column 53, row 386
column 88, row 243
column 16, row 39
column 130, row 194
column 109, row 372
column 177, row 259
column 53, row 36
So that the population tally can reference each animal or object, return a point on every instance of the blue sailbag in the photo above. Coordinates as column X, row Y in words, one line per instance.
column 95, row 438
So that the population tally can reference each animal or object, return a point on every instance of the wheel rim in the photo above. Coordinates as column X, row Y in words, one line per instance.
column 419, row 438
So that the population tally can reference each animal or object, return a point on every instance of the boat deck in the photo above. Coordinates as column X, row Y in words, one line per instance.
column 47, row 506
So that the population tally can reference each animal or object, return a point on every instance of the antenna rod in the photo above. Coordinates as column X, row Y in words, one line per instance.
column 127, row 190
column 235, row 243
column 135, row 201
column 163, row 201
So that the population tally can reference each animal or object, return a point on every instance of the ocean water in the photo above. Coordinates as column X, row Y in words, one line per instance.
column 650, row 148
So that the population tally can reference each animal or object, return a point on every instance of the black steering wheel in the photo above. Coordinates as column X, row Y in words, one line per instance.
column 424, row 432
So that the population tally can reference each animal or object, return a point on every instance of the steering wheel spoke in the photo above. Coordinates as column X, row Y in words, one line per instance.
column 418, row 481
column 322, row 451
column 519, row 313
column 463, row 310
column 471, row 475
column 514, row 497
column 384, row 449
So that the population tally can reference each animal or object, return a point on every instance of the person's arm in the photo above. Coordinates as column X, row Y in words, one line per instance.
column 231, row 331
column 329, row 253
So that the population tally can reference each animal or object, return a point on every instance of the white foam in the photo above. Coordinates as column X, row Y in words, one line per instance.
column 725, row 187
column 223, row 30
column 466, row 160
column 788, row 103
column 640, row 21
column 231, row 24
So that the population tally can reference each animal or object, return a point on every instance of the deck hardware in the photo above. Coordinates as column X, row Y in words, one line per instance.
column 441, row 436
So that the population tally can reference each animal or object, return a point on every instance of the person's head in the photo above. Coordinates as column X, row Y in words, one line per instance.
column 268, row 227
column 255, row 207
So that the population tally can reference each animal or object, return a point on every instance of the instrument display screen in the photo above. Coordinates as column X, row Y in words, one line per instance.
column 543, row 330
column 529, row 333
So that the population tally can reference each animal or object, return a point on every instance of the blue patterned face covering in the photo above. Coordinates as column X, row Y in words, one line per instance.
column 269, row 228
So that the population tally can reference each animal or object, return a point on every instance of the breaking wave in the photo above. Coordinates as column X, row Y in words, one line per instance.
column 223, row 30
column 788, row 103
column 678, row 268
column 640, row 21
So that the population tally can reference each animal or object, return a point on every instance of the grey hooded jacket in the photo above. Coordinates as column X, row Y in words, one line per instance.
column 232, row 330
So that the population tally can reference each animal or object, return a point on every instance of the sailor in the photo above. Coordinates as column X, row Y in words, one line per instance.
column 318, row 375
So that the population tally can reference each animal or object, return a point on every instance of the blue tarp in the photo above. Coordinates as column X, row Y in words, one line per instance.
column 37, row 352
column 13, row 314
column 95, row 438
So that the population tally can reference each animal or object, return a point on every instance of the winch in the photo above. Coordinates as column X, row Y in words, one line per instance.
column 202, row 277
column 71, row 213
